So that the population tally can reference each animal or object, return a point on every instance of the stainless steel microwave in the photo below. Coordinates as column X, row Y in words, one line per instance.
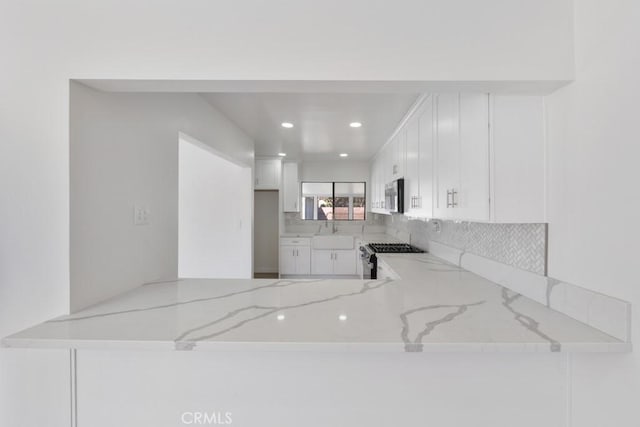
column 394, row 196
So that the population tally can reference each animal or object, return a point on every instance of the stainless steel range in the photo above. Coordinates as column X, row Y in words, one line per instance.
column 370, row 260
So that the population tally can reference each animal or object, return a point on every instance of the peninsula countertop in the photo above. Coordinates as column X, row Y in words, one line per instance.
column 434, row 306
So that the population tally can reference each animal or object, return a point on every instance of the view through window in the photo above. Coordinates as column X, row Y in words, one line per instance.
column 345, row 201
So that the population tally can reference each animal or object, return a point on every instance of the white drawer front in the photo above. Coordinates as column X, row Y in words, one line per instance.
column 295, row 241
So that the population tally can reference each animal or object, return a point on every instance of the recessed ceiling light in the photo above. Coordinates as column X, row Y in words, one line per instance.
column 355, row 124
column 344, row 155
column 280, row 317
column 287, row 125
column 282, row 154
column 342, row 317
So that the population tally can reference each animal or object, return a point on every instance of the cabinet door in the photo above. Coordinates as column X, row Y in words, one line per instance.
column 322, row 262
column 303, row 260
column 387, row 177
column 473, row 192
column 447, row 154
column 267, row 174
column 344, row 262
column 378, row 182
column 412, row 173
column 373, row 185
column 392, row 159
column 399, row 153
column 288, row 259
column 425, row 160
column 380, row 172
column 358, row 258
column 291, row 188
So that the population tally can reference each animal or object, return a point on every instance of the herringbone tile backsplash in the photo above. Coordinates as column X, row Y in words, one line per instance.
column 521, row 245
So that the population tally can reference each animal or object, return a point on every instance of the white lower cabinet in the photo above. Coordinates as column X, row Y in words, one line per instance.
column 295, row 256
column 333, row 262
column 344, row 262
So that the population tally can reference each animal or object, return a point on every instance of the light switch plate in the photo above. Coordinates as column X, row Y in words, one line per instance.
column 140, row 215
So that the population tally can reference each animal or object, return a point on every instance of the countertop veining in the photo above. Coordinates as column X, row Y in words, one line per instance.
column 435, row 306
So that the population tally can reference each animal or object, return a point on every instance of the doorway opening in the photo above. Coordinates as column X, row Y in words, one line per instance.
column 265, row 234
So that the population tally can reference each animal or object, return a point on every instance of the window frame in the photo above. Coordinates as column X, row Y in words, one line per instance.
column 333, row 197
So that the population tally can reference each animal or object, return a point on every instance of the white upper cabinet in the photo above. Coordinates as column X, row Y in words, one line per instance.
column 469, row 157
column 381, row 173
column 517, row 159
column 412, row 167
column 447, row 151
column 398, row 152
column 424, row 201
column 473, row 192
column 290, row 188
column 267, row 174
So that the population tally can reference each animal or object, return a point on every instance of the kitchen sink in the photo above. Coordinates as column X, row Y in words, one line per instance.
column 332, row 242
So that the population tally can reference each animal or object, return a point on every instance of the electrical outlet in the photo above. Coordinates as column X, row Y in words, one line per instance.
column 140, row 215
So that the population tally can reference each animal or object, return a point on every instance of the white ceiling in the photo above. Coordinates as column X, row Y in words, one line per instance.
column 321, row 121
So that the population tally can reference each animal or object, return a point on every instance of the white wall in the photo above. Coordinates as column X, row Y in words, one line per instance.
column 214, row 214
column 124, row 151
column 593, row 202
column 338, row 170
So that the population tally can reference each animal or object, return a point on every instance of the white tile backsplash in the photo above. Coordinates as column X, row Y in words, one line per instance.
column 373, row 224
column 521, row 245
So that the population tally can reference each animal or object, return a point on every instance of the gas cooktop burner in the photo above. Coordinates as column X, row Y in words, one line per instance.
column 394, row 248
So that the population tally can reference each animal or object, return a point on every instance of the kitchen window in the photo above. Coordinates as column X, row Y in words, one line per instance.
column 339, row 201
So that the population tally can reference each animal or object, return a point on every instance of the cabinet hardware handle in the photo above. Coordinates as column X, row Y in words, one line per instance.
column 454, row 202
column 448, row 198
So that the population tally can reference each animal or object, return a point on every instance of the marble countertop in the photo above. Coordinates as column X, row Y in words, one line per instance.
column 367, row 237
column 435, row 306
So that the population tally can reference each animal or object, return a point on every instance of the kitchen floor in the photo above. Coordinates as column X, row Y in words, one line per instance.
column 265, row 275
